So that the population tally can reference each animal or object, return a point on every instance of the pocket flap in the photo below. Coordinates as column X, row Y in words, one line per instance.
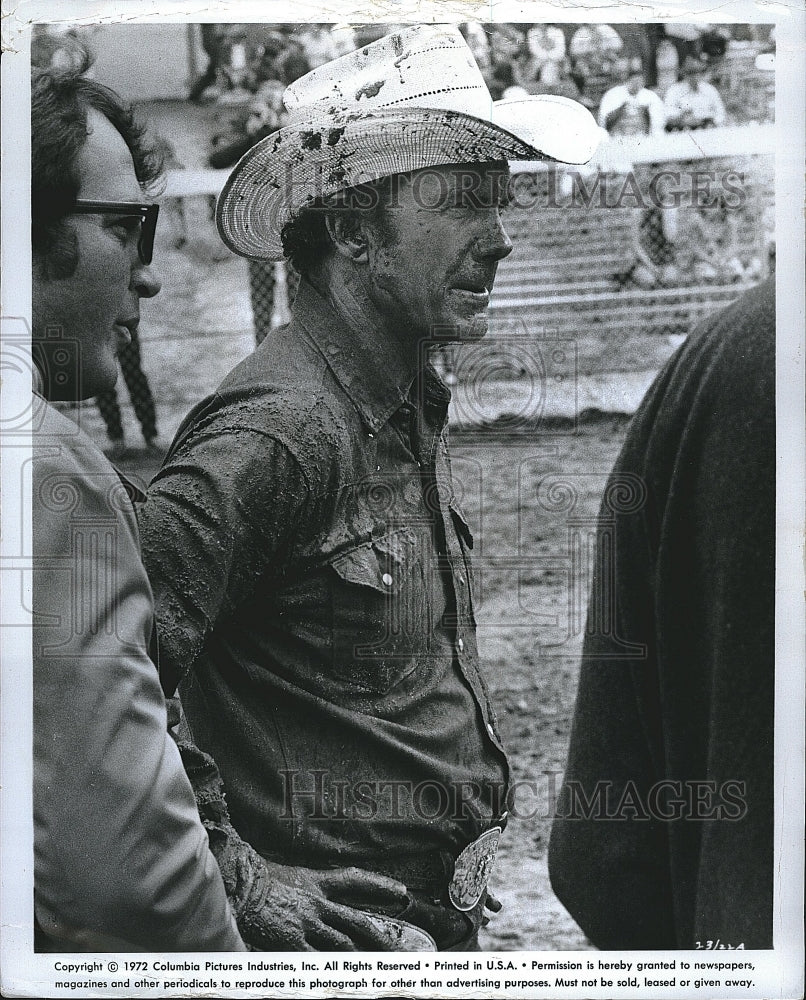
column 461, row 525
column 382, row 564
column 360, row 565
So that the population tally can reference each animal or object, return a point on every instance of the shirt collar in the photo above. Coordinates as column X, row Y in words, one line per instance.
column 375, row 378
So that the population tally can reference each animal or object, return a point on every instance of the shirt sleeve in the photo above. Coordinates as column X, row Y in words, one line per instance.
column 122, row 860
column 220, row 513
column 718, row 112
column 657, row 115
column 611, row 100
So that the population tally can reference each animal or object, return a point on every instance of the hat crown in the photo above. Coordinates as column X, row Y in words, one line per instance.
column 426, row 66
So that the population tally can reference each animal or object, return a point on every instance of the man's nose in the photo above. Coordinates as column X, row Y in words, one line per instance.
column 145, row 281
column 494, row 243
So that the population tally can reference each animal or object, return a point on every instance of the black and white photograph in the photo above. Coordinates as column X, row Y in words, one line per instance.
column 403, row 485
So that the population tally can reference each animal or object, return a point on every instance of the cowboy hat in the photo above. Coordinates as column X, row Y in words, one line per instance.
column 413, row 99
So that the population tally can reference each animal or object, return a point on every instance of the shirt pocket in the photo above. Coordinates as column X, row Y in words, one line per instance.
column 379, row 612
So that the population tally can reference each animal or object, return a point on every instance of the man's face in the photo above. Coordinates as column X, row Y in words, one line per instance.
column 80, row 322
column 433, row 254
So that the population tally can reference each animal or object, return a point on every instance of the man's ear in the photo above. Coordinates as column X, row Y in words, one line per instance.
column 347, row 233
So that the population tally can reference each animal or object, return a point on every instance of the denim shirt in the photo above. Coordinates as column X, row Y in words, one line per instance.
column 313, row 585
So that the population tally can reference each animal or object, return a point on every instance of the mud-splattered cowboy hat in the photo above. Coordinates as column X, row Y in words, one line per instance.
column 413, row 99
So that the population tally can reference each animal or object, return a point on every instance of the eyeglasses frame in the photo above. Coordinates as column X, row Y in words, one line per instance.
column 147, row 213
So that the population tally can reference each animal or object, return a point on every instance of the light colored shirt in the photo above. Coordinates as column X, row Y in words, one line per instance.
column 122, row 860
column 546, row 44
column 702, row 103
column 644, row 113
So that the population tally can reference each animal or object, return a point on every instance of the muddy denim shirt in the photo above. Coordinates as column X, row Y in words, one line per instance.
column 312, row 566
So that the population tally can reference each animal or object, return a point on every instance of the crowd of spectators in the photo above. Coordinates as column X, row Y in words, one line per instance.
column 613, row 70
column 249, row 65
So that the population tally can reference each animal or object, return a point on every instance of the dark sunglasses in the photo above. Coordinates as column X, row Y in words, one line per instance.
column 147, row 214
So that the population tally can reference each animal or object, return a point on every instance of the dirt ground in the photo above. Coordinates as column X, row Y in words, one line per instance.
column 533, row 502
column 531, row 498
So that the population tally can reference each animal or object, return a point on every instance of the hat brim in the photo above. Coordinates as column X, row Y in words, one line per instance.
column 316, row 158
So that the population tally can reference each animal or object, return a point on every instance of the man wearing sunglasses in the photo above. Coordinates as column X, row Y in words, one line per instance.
column 121, row 859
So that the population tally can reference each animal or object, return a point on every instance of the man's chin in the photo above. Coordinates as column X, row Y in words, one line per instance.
column 474, row 328
column 461, row 329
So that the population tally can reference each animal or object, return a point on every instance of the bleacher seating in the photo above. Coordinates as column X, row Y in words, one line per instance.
column 562, row 274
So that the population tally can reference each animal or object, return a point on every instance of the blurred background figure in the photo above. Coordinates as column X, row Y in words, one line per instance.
column 478, row 42
column 693, row 102
column 142, row 401
column 630, row 108
column 212, row 40
column 595, row 50
column 546, row 44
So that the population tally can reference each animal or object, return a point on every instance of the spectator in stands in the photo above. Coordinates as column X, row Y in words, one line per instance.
column 479, row 44
column 503, row 85
column 554, row 78
column 263, row 116
column 685, row 37
column 693, row 102
column 267, row 50
column 546, row 44
column 674, row 712
column 706, row 247
column 322, row 43
column 595, row 53
column 212, row 40
column 630, row 108
column 317, row 43
column 508, row 48
column 58, row 50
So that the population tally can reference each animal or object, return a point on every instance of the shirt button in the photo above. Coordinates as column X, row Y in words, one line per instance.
column 387, row 579
column 461, row 645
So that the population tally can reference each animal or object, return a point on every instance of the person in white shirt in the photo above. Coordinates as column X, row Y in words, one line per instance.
column 693, row 102
column 630, row 108
column 546, row 44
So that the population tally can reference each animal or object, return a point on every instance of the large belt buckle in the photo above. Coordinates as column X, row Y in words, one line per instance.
column 472, row 870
